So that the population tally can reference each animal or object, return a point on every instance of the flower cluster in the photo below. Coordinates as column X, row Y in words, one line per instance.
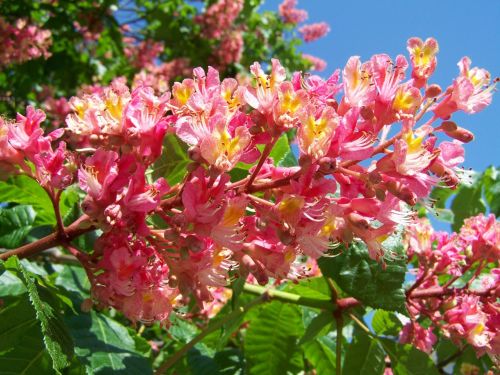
column 466, row 308
column 290, row 13
column 239, row 211
column 26, row 150
column 219, row 17
column 22, row 41
column 314, row 31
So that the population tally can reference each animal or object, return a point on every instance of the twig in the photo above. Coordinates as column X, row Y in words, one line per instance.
column 74, row 230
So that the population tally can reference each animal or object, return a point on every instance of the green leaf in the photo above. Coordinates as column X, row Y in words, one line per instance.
column 173, row 162
column 468, row 202
column 281, row 150
column 104, row 346
column 10, row 285
column 271, row 338
column 364, row 356
column 386, row 323
column 443, row 214
column 491, row 182
column 15, row 224
column 316, row 325
column 25, row 190
column 406, row 360
column 367, row 280
column 315, row 287
column 55, row 334
column 22, row 350
column 321, row 357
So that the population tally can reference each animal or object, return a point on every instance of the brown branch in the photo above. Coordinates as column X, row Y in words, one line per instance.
column 79, row 227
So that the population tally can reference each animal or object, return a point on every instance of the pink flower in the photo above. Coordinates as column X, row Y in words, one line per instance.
column 413, row 333
column 471, row 91
column 314, row 31
column 423, row 58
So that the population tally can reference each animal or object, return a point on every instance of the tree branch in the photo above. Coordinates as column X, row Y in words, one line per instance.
column 76, row 229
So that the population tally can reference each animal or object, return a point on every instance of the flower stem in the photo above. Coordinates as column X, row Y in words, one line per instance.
column 265, row 153
column 278, row 295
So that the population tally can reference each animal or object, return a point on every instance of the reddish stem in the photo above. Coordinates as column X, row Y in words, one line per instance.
column 55, row 239
column 265, row 153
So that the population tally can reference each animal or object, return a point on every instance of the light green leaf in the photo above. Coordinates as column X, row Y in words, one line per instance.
column 315, row 287
column 386, row 323
column 280, row 150
column 366, row 279
column 15, row 224
column 25, row 190
column 271, row 338
column 321, row 357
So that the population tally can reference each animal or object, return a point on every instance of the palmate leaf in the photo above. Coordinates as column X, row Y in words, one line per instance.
column 58, row 342
column 15, row 224
column 366, row 279
column 104, row 346
column 271, row 339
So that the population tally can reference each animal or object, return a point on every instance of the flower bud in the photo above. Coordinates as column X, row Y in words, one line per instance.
column 432, row 91
column 358, row 221
column 402, row 192
column 366, row 113
column 194, row 154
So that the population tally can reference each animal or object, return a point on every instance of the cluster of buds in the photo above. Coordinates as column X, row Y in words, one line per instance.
column 459, row 298
column 22, row 41
column 168, row 243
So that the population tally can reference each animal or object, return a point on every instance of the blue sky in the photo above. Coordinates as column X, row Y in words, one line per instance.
column 461, row 27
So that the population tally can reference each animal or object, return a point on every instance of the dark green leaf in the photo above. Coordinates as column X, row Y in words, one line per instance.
column 15, row 224
column 271, row 338
column 104, row 346
column 406, row 360
column 22, row 350
column 321, row 321
column 364, row 356
column 371, row 282
column 468, row 202
column 173, row 161
column 55, row 334
column 491, row 182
